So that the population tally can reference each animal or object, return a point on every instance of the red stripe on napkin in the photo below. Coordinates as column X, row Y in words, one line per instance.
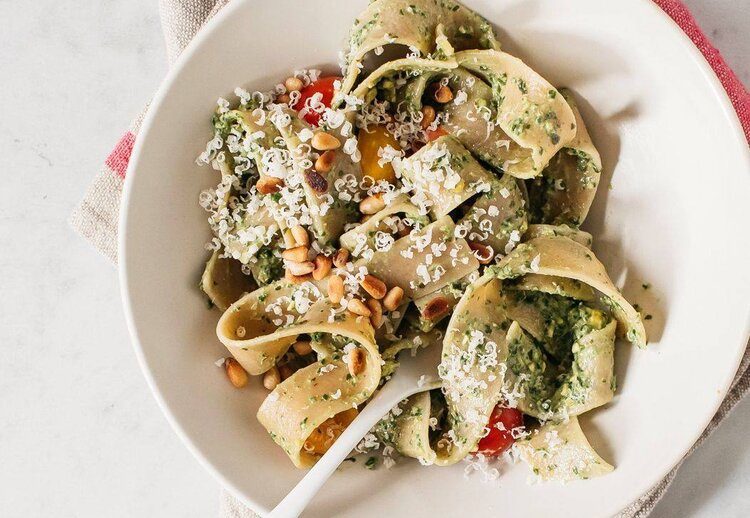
column 118, row 159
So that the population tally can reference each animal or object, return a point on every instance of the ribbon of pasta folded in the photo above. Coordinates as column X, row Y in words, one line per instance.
column 562, row 257
column 484, row 346
column 565, row 190
column 560, row 452
column 413, row 24
column 271, row 319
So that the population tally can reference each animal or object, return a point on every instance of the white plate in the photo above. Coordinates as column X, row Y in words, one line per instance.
column 675, row 217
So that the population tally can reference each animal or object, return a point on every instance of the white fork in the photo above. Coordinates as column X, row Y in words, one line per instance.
column 414, row 374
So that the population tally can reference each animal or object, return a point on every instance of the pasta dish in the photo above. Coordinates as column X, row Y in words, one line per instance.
column 430, row 196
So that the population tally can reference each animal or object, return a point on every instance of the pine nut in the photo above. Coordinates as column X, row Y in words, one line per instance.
column 372, row 204
column 271, row 378
column 298, row 269
column 355, row 361
column 298, row 254
column 323, row 141
column 289, row 241
column 374, row 286
column 437, row 307
column 358, row 307
column 377, row 312
column 324, row 163
column 282, row 99
column 335, row 289
column 293, row 84
column 300, row 235
column 323, row 266
column 297, row 279
column 482, row 252
column 302, row 348
column 235, row 372
column 443, row 94
column 269, row 185
column 428, row 116
column 393, row 298
column 341, row 257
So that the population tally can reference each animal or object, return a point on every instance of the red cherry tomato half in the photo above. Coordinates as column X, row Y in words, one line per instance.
column 324, row 86
column 502, row 421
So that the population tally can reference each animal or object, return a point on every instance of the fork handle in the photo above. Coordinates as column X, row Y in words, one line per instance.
column 298, row 498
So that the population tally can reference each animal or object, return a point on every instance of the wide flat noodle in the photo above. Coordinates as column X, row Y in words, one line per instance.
column 561, row 452
column 563, row 257
column 579, row 236
column 471, row 119
column 565, row 191
column 413, row 66
column 473, row 374
column 362, row 237
column 313, row 394
column 424, row 261
column 445, row 173
column 554, row 286
column 587, row 384
column 329, row 213
column 224, row 282
column 528, row 108
column 498, row 216
column 413, row 24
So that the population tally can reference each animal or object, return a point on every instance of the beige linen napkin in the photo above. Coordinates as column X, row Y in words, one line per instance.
column 96, row 217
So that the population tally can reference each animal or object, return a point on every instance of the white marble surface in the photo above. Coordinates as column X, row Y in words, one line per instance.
column 80, row 434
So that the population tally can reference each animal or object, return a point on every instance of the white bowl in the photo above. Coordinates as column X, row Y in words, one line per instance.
column 675, row 217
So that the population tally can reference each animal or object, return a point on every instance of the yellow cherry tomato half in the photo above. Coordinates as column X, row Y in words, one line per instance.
column 329, row 430
column 370, row 141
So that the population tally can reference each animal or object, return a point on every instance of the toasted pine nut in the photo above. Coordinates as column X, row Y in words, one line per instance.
column 443, row 94
column 323, row 141
column 269, row 185
column 374, row 286
column 271, row 378
column 324, row 163
column 428, row 116
column 285, row 371
column 282, row 99
column 341, row 257
column 293, row 84
column 372, row 204
column 355, row 361
column 298, row 254
column 300, row 235
column 358, row 307
column 289, row 241
column 302, row 347
column 437, row 307
column 240, row 332
column 297, row 279
column 302, row 268
column 235, row 372
column 323, row 266
column 377, row 312
column 393, row 298
column 482, row 252
column 335, row 289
